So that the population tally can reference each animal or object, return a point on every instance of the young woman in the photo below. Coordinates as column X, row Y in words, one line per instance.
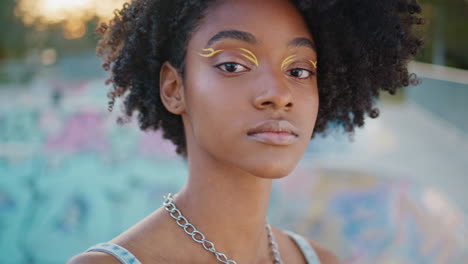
column 241, row 87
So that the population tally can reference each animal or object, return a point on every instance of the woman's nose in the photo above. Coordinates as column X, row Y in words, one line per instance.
column 274, row 93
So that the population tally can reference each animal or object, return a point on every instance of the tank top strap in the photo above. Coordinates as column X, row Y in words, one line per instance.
column 125, row 257
column 122, row 254
column 305, row 247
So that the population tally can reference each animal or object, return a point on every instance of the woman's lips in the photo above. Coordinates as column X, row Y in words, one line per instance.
column 274, row 138
column 274, row 132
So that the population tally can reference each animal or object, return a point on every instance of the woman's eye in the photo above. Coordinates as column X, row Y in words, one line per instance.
column 301, row 73
column 232, row 67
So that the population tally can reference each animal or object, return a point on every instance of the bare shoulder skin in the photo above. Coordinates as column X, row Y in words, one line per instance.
column 325, row 255
column 93, row 258
column 138, row 240
column 289, row 249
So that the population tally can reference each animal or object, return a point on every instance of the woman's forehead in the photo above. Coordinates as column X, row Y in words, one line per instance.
column 249, row 38
column 255, row 22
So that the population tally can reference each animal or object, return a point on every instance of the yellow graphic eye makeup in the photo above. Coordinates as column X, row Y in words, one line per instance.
column 211, row 53
column 290, row 58
column 250, row 57
column 314, row 63
column 287, row 60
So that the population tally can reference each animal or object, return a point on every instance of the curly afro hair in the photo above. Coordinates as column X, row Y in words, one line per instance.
column 363, row 47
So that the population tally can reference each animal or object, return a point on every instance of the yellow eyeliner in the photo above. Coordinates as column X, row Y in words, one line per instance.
column 314, row 63
column 287, row 60
column 252, row 56
column 211, row 53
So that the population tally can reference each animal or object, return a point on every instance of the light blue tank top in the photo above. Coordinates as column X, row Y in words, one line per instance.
column 125, row 257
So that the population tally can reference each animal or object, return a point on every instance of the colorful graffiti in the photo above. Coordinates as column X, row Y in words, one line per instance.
column 71, row 177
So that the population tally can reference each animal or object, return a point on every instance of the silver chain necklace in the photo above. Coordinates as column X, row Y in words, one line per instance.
column 199, row 237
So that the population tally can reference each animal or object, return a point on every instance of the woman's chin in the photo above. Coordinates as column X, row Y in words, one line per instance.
column 271, row 169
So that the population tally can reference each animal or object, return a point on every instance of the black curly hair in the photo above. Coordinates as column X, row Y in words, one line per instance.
column 363, row 47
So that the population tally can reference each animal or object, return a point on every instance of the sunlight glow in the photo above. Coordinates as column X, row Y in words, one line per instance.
column 71, row 14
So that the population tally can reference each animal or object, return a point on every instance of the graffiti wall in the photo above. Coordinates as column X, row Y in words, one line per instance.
column 70, row 177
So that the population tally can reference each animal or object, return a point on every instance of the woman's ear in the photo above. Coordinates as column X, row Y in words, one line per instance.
column 171, row 89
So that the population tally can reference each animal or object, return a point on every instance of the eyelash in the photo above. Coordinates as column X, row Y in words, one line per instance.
column 310, row 72
column 234, row 63
column 219, row 66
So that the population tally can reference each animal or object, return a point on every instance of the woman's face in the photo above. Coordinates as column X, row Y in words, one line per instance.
column 251, row 87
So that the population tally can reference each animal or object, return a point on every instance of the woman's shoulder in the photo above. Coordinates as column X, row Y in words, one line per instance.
column 134, row 245
column 108, row 253
column 324, row 255
column 93, row 258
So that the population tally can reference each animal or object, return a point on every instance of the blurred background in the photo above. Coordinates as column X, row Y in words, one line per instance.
column 70, row 177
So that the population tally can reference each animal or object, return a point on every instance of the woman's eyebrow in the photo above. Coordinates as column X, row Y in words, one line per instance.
column 302, row 42
column 232, row 34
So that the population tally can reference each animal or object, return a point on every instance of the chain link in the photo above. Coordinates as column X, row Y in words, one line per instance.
column 208, row 245
column 274, row 246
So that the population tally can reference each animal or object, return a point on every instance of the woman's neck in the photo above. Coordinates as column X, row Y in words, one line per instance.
column 228, row 206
